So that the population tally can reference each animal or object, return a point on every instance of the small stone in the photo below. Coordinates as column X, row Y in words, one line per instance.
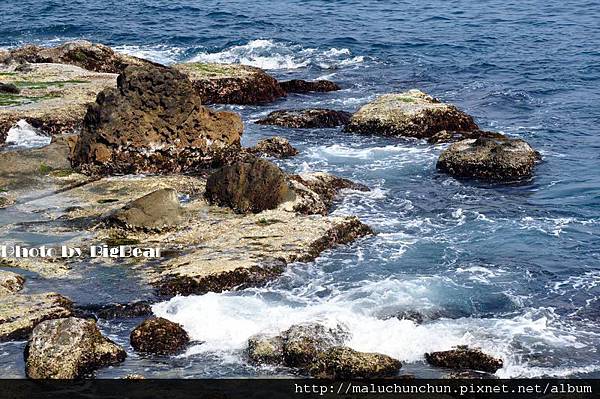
column 307, row 118
column 155, row 211
column 303, row 86
column 69, row 348
column 345, row 363
column 276, row 147
column 159, row 336
column 464, row 357
column 9, row 88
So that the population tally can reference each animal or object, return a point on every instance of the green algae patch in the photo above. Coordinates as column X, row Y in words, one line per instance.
column 11, row 100
column 210, row 69
column 44, row 169
column 23, row 84
column 107, row 200
column 61, row 173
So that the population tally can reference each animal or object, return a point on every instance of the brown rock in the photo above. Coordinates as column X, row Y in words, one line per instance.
column 464, row 358
column 303, row 86
column 10, row 283
column 159, row 336
column 326, row 186
column 344, row 363
column 277, row 147
column 153, row 212
column 307, row 118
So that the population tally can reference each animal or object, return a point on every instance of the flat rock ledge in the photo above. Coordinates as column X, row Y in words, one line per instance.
column 464, row 358
column 307, row 118
column 69, row 348
column 411, row 114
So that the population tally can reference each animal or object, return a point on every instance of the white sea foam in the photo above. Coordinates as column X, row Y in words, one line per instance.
column 162, row 54
column 26, row 136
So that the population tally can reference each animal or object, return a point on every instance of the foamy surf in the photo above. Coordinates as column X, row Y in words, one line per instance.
column 24, row 135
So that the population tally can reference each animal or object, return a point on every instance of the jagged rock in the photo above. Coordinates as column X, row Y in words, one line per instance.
column 20, row 313
column 155, row 211
column 306, row 118
column 409, row 114
column 91, row 56
column 154, row 122
column 489, row 159
column 265, row 349
column 10, row 283
column 9, row 88
column 277, row 147
column 115, row 310
column 231, row 83
column 159, row 336
column 464, row 358
column 69, row 348
column 52, row 97
column 252, row 186
column 303, row 86
column 345, row 363
column 303, row 343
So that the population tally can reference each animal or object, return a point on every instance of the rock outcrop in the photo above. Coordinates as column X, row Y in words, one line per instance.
column 306, row 118
column 304, row 342
column 489, row 159
column 463, row 357
column 91, row 56
column 253, row 186
column 154, row 122
column 304, row 86
column 155, row 211
column 231, row 83
column 266, row 349
column 159, row 336
column 10, row 283
column 69, row 348
column 345, row 363
column 276, row 147
column 409, row 114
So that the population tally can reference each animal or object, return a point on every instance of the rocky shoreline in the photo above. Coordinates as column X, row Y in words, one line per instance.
column 138, row 159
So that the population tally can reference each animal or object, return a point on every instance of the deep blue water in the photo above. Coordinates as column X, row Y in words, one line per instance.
column 514, row 269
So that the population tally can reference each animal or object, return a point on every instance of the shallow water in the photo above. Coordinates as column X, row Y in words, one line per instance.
column 513, row 269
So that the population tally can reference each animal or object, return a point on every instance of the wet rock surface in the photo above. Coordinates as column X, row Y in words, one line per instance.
column 304, row 86
column 91, row 56
column 307, row 118
column 253, row 186
column 232, row 83
column 345, row 363
column 114, row 310
column 69, row 348
column 304, row 342
column 463, row 357
column 277, row 147
column 326, row 186
column 489, row 159
column 159, row 336
column 266, row 349
column 10, row 283
column 409, row 114
column 154, row 122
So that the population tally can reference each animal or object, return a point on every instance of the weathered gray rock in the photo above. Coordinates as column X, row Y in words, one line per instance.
column 489, row 159
column 277, row 147
column 155, row 211
column 253, row 186
column 345, row 363
column 463, row 357
column 266, row 349
column 304, row 342
column 409, row 114
column 154, row 123
column 10, row 283
column 231, row 83
column 69, row 348
column 303, row 86
column 307, row 118
column 159, row 336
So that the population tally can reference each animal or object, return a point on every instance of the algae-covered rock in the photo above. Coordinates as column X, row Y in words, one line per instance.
column 304, row 86
column 155, row 211
column 10, row 283
column 307, row 118
column 489, row 159
column 304, row 342
column 231, row 83
column 154, row 122
column 277, row 147
column 463, row 357
column 409, row 114
column 344, row 363
column 159, row 336
column 69, row 348
column 266, row 349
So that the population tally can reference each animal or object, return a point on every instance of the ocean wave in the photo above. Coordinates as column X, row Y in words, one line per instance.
column 163, row 54
column 23, row 135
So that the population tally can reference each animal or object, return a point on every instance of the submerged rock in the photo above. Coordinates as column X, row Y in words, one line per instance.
column 464, row 358
column 345, row 363
column 446, row 136
column 231, row 83
column 489, row 159
column 159, row 336
column 409, row 114
column 277, row 147
column 303, row 86
column 10, row 283
column 69, row 348
column 154, row 122
column 115, row 310
column 266, row 349
column 307, row 118
column 20, row 313
column 155, row 211
column 253, row 186
column 91, row 56
column 303, row 343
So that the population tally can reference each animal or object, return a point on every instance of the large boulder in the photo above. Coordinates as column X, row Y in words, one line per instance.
column 304, row 86
column 231, row 83
column 249, row 186
column 91, row 56
column 489, row 159
column 69, row 348
column 306, row 118
column 345, row 363
column 303, row 342
column 409, row 114
column 159, row 336
column 154, row 122
column 266, row 349
column 463, row 357
column 10, row 283
column 277, row 147
column 153, row 212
